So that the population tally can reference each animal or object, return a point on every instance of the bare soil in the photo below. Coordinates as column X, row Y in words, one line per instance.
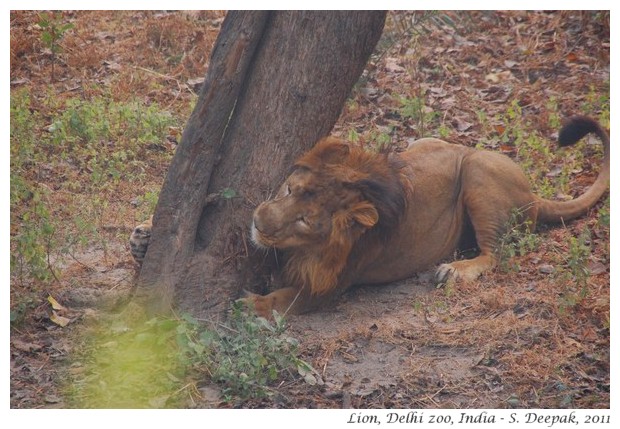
column 512, row 339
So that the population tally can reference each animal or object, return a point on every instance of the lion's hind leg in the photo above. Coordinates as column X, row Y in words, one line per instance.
column 493, row 187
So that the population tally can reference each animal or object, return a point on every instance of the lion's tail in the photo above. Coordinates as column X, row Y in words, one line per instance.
column 574, row 130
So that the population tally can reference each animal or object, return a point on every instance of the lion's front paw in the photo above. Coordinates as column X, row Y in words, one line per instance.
column 262, row 306
column 139, row 240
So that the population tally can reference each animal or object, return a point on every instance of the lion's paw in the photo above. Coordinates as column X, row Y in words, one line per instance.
column 139, row 240
column 260, row 305
column 466, row 270
column 445, row 273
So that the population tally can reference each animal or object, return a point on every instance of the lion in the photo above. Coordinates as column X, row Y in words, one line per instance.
column 347, row 216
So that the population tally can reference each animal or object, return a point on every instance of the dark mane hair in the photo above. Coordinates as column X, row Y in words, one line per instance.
column 385, row 190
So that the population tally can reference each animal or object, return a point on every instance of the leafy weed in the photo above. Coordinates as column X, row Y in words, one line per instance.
column 247, row 356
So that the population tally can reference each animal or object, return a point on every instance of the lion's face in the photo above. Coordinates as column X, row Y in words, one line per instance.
column 317, row 205
column 304, row 212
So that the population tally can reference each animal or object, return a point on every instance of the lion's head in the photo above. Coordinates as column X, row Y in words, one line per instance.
column 335, row 195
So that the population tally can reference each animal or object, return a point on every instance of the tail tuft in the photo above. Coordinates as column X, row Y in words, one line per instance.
column 577, row 127
column 558, row 211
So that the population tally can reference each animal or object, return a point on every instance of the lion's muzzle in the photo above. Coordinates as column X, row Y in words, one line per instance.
column 261, row 229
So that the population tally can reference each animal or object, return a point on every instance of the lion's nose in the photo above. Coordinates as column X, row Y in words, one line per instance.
column 256, row 222
column 256, row 232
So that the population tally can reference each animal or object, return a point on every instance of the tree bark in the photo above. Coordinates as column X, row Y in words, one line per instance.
column 276, row 83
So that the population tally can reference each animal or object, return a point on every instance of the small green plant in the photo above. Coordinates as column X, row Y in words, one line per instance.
column 574, row 272
column 353, row 136
column 516, row 241
column 482, row 118
column 577, row 259
column 604, row 214
column 444, row 131
column 597, row 103
column 418, row 306
column 53, row 32
column 228, row 193
column 415, row 110
column 555, row 121
column 380, row 141
column 146, row 204
column 374, row 140
column 246, row 356
column 33, row 244
column 439, row 307
column 20, row 309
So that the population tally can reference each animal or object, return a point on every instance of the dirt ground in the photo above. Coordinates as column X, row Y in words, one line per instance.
column 524, row 337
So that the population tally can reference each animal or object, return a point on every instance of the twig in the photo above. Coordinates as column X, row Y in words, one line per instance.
column 164, row 76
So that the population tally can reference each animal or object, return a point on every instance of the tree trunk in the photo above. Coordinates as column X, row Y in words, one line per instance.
column 276, row 83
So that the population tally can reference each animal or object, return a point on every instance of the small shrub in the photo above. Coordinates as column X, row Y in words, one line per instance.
column 33, row 244
column 415, row 110
column 555, row 121
column 53, row 32
column 146, row 204
column 516, row 241
column 246, row 356
column 597, row 104
column 604, row 215
column 574, row 274
column 32, row 229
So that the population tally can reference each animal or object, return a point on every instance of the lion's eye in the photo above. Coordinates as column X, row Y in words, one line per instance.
column 285, row 191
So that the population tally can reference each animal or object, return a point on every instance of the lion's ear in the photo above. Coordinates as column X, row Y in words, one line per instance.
column 365, row 214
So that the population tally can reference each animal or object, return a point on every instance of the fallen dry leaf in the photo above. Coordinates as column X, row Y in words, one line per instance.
column 59, row 320
column 461, row 125
column 55, row 304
